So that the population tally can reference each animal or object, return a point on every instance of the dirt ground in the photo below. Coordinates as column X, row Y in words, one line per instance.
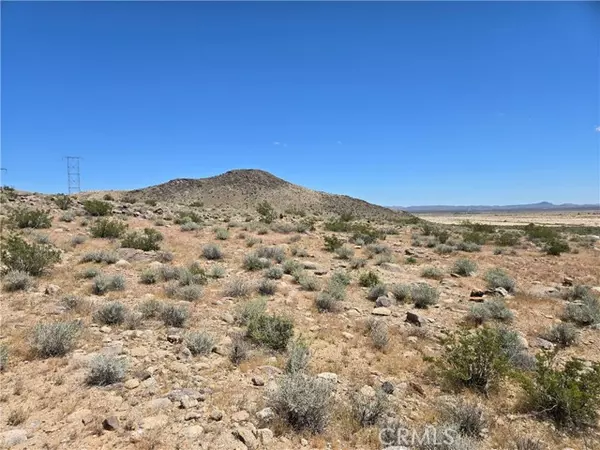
column 557, row 218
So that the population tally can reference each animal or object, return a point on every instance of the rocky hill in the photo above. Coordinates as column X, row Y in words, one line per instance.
column 244, row 189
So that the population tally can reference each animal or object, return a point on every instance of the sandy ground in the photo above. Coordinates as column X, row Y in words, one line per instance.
column 557, row 218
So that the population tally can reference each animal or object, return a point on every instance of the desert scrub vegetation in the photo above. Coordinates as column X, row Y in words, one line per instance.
column 273, row 273
column 174, row 316
column 464, row 267
column 100, row 257
column 188, row 216
column 222, row 234
column 556, row 247
column 379, row 290
column 302, row 401
column 266, row 212
column 105, row 370
column 424, row 295
column 444, row 249
column 266, row 287
column 102, row 284
column 90, row 272
column 199, row 343
column 562, row 334
column 146, row 240
column 291, row 266
column 378, row 331
column 108, row 228
column 212, row 252
column 325, row 302
column 252, row 241
column 307, row 282
column 239, row 349
column 465, row 417
column 400, row 292
column 569, row 396
column 468, row 247
column 298, row 356
column 584, row 312
column 97, row 208
column 577, row 292
column 187, row 292
column 54, row 339
column 368, row 279
column 16, row 280
column 332, row 243
column 344, row 252
column 494, row 309
column 254, row 262
column 498, row 278
column 237, row 287
column 276, row 254
column 149, row 276
column 30, row 218
column 368, row 409
column 250, row 310
column 32, row 258
column 190, row 226
column 216, row 271
column 67, row 217
column 507, row 239
column 62, row 201
column 3, row 357
column 433, row 273
column 273, row 332
column 357, row 263
column 111, row 313
column 78, row 240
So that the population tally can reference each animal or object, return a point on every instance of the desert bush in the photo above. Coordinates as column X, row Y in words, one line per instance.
column 378, row 330
column 432, row 272
column 325, row 302
column 498, row 278
column 254, row 262
column 541, row 233
column 423, row 295
column 302, row 401
column 368, row 279
column 97, row 208
column 475, row 360
column 108, row 197
column 266, row 287
column 290, row 266
column 67, row 217
column 221, row 234
column 577, row 292
column 479, row 314
column 163, row 256
column 556, row 247
column 216, row 271
column 274, row 273
column 54, row 339
column 90, row 272
column 507, row 239
column 108, row 228
column 266, row 211
column 400, row 292
column 239, row 349
column 250, row 310
column 104, row 283
column 149, row 276
column 340, row 277
column 252, row 241
column 30, row 218
column 511, row 345
column 100, row 257
column 146, row 240
column 193, row 274
column 357, row 263
column 308, row 282
column 466, row 417
column 151, row 309
column 344, row 252
column 3, row 357
column 34, row 259
column 41, row 238
column 190, row 226
column 377, row 291
column 77, row 240
column 475, row 237
column 168, row 273
column 332, row 243
column 199, row 343
column 189, row 293
column 562, row 334
column 464, row 267
column 275, row 253
column 298, row 356
column 586, row 312
column 569, row 396
column 492, row 309
column 111, row 313
column 63, row 201
column 105, row 370
column 16, row 280
column 237, row 287
column 469, row 247
column 444, row 249
column 378, row 249
column 369, row 409
column 526, row 443
column 271, row 331
column 174, row 316
column 188, row 216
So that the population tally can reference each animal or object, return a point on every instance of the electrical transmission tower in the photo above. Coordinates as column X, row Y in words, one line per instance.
column 73, row 178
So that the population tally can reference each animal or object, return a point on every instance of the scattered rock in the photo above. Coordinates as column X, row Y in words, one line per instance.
column 415, row 319
column 544, row 344
column 381, row 311
column 111, row 423
column 258, row 381
column 192, row 432
column 387, row 387
column 320, row 272
column 216, row 415
column 52, row 289
column 247, row 437
column 348, row 336
column 153, row 422
column 329, row 376
column 187, row 402
column 227, row 318
column 139, row 352
column 568, row 281
column 240, row 416
column 265, row 415
column 122, row 263
column 132, row 383
column 477, row 293
column 501, row 291
column 367, row 391
column 383, row 301
column 158, row 403
column 265, row 436
column 174, row 339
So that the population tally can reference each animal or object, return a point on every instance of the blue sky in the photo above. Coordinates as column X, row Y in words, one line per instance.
column 396, row 103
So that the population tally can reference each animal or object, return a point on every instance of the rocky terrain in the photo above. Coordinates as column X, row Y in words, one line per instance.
column 285, row 329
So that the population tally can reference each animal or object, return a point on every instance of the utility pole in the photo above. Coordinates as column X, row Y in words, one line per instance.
column 73, row 178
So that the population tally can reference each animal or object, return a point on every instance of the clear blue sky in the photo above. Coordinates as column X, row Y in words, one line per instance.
column 396, row 103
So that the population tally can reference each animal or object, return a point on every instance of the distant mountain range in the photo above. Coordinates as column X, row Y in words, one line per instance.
column 542, row 206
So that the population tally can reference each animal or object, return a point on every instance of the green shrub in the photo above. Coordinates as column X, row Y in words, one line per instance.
column 541, row 233
column 174, row 316
column 100, row 257
column 149, row 276
column 368, row 279
column 250, row 310
column 271, row 331
column 298, row 356
column 189, row 293
column 344, row 252
column 466, row 418
column 252, row 241
column 108, row 228
column 444, row 249
column 498, row 278
column 237, row 287
column 222, row 234
column 216, row 271
column 55, row 339
column 151, row 309
column 479, row 314
column 105, row 370
column 357, row 263
column 400, row 292
column 475, row 237
column 190, row 226
column 104, row 283
column 34, row 259
column 184, row 217
column 274, row 273
column 433, row 273
column 369, row 410
column 562, row 334
column 423, row 295
column 556, row 247
column 67, row 217
column 475, row 360
column 332, row 243
column 302, row 401
column 111, row 313
column 275, row 253
column 586, row 312
column 266, row 287
column 464, row 267
column 147, row 240
column 308, row 282
column 212, row 252
column 507, row 239
column 325, row 302
column 77, row 240
column 199, row 343
column 90, row 273
column 63, row 201
column 254, row 262
column 290, row 266
column 239, row 349
column 378, row 330
column 577, row 292
column 97, row 208
column 568, row 396
column 16, row 280
column 266, row 211
column 379, row 290
column 31, row 218
column 468, row 247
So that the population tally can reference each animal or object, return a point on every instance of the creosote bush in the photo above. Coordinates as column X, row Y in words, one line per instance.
column 344, row 252
column 271, row 331
column 250, row 310
column 266, row 287
column 34, row 259
column 433, row 273
column 377, row 291
column 585, row 312
column 368, row 279
column 254, row 262
column 100, row 257
column 97, row 208
column 303, row 402
column 146, row 240
column 237, row 287
column 212, row 252
column 332, row 243
column 105, row 370
column 274, row 273
column 31, row 218
column 54, row 339
column 108, row 228
column 401, row 292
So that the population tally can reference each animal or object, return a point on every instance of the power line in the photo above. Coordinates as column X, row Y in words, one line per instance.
column 73, row 176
